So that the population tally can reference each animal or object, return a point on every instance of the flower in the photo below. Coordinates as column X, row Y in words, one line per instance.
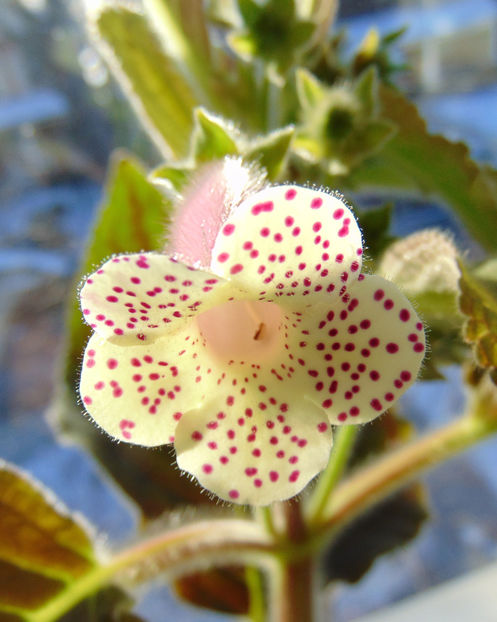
column 244, row 363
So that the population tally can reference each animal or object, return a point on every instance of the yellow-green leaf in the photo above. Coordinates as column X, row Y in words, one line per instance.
column 213, row 138
column 479, row 304
column 161, row 96
column 42, row 547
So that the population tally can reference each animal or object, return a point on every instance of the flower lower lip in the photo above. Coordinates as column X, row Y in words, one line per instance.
column 248, row 331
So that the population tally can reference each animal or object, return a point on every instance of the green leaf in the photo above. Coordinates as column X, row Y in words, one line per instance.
column 110, row 604
column 169, row 175
column 310, row 91
column 487, row 270
column 368, row 139
column 213, row 138
column 366, row 90
column 479, row 305
column 249, row 11
column 270, row 151
column 150, row 79
column 243, row 44
column 42, row 547
column 416, row 160
column 375, row 225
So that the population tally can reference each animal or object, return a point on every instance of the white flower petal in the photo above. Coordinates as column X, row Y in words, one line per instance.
column 289, row 244
column 248, row 454
column 134, row 299
column 357, row 358
column 138, row 393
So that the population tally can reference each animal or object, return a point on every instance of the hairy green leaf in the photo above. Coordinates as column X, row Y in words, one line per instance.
column 162, row 98
column 42, row 547
column 479, row 305
column 375, row 225
column 213, row 138
column 414, row 159
column 270, row 151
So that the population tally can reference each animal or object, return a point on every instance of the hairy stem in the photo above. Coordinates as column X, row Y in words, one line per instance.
column 362, row 490
column 168, row 551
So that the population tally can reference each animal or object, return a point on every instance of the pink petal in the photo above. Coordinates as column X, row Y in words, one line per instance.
column 134, row 299
column 208, row 200
column 248, row 453
column 290, row 244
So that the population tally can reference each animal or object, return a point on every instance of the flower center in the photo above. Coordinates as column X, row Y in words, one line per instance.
column 242, row 330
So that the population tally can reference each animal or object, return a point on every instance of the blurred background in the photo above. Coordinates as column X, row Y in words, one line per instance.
column 60, row 118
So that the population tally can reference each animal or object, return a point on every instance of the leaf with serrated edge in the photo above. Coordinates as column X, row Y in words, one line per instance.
column 417, row 160
column 42, row 546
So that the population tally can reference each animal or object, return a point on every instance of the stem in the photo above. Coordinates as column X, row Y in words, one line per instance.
column 168, row 551
column 293, row 598
column 297, row 587
column 344, row 441
column 255, row 584
column 364, row 489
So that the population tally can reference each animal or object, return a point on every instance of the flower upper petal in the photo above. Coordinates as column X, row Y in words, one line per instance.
column 136, row 298
column 286, row 242
column 358, row 357
column 246, row 454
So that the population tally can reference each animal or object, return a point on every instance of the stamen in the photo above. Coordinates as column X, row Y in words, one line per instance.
column 258, row 334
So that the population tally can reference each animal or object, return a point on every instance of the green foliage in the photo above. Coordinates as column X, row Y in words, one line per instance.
column 331, row 122
column 479, row 305
column 150, row 79
column 374, row 51
column 42, row 547
column 416, row 160
column 270, row 151
column 272, row 32
column 339, row 124
column 375, row 227
column 214, row 138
